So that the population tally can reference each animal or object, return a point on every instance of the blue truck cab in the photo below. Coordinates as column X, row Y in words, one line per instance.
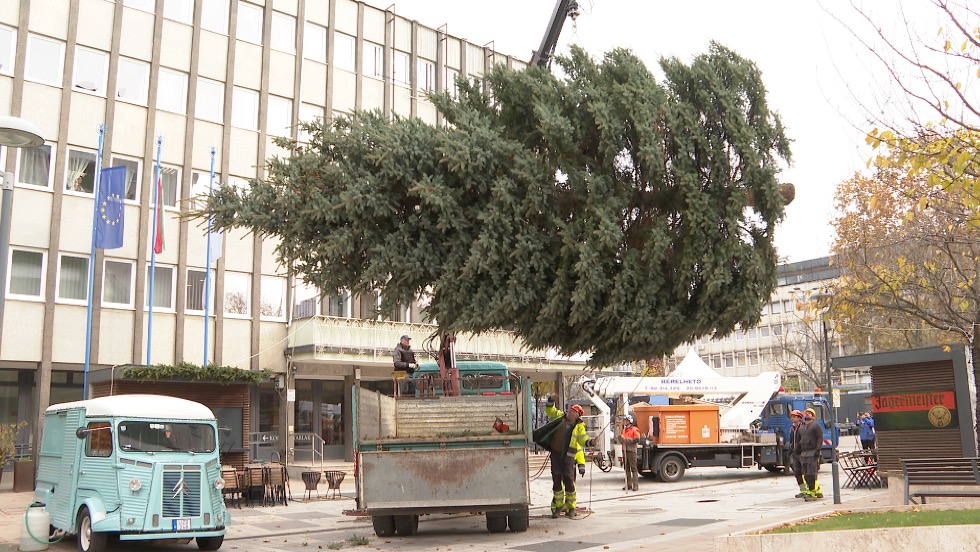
column 775, row 418
column 475, row 378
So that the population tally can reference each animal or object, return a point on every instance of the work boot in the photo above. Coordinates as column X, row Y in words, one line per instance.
column 555, row 514
column 803, row 491
column 571, row 514
column 809, row 497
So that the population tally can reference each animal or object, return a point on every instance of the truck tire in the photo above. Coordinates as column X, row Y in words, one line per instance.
column 672, row 468
column 210, row 543
column 496, row 523
column 88, row 540
column 406, row 526
column 384, row 526
column 518, row 521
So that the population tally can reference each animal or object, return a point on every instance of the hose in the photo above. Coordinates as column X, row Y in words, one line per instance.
column 28, row 525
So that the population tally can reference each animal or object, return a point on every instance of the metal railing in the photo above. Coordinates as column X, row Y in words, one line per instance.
column 308, row 445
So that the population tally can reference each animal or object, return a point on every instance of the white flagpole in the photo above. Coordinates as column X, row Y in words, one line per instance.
column 207, row 269
column 91, row 262
column 153, row 247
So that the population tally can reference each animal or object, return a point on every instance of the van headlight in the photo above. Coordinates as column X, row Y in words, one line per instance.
column 219, row 483
column 135, row 484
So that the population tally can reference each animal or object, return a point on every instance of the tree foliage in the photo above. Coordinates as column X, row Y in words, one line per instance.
column 909, row 253
column 603, row 213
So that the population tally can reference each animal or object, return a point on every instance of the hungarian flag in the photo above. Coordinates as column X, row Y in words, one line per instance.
column 158, row 216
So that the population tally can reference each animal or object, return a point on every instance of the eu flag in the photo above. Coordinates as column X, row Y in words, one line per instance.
column 109, row 222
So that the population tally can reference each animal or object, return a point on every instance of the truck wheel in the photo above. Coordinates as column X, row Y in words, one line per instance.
column 496, row 523
column 672, row 469
column 406, row 526
column 210, row 543
column 88, row 540
column 518, row 521
column 384, row 526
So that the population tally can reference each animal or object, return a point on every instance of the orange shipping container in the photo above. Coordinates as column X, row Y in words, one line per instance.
column 679, row 424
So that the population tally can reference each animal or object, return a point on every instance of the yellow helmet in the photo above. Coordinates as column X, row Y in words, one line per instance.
column 811, row 412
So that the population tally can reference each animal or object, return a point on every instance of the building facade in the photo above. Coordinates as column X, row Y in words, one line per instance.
column 788, row 339
column 205, row 86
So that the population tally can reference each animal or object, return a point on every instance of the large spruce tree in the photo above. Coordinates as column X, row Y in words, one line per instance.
column 602, row 212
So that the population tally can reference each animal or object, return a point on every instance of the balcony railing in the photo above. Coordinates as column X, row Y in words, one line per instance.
column 329, row 338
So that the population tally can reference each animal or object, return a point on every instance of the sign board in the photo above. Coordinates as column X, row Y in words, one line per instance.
column 836, row 398
column 922, row 410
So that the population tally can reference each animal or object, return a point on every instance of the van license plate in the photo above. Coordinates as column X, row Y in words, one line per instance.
column 183, row 524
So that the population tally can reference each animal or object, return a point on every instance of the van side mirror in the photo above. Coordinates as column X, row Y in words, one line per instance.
column 81, row 432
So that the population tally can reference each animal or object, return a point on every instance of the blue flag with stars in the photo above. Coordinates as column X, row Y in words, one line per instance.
column 109, row 221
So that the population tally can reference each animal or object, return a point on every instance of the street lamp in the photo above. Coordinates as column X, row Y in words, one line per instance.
column 834, row 468
column 14, row 133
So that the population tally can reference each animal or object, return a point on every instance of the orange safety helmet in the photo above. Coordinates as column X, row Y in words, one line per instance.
column 578, row 408
column 796, row 413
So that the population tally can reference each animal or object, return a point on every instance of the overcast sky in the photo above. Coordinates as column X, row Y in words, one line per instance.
column 810, row 64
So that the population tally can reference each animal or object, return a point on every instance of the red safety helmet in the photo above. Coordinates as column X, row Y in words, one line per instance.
column 578, row 408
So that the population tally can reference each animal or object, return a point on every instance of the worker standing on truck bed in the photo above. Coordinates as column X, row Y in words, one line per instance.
column 567, row 444
column 811, row 442
column 404, row 358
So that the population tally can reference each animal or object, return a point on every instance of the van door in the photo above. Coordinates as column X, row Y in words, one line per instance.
column 62, row 503
column 97, row 473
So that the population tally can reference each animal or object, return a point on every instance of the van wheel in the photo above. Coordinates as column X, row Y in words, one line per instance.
column 672, row 469
column 88, row 540
column 518, row 521
column 496, row 523
column 384, row 526
column 210, row 543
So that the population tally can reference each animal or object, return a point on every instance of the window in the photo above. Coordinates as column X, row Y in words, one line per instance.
column 145, row 5
column 764, row 331
column 7, row 46
column 373, row 63
column 343, row 51
column 337, row 303
column 741, row 359
column 26, row 273
column 238, row 294
column 751, row 333
column 273, row 297
column 214, row 15
column 451, row 86
column 163, row 287
column 172, row 91
column 426, row 75
column 729, row 360
column 739, row 335
column 776, row 307
column 98, row 440
column 403, row 68
column 210, row 100
column 249, row 23
column 73, row 279
column 308, row 113
column 179, row 10
column 314, row 42
column 169, row 185
column 44, row 59
column 90, row 71
column 244, row 108
column 117, row 283
column 81, row 171
column 195, row 291
column 132, row 81
column 200, row 185
column 305, row 300
column 35, row 166
column 753, row 359
column 283, row 33
column 132, row 175
column 777, row 329
column 369, row 306
column 279, row 117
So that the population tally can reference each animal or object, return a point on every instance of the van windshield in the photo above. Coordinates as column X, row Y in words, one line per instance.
column 142, row 436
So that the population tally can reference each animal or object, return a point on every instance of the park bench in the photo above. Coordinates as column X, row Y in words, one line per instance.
column 941, row 474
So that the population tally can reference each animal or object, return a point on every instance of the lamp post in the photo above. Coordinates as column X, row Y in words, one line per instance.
column 14, row 133
column 834, row 432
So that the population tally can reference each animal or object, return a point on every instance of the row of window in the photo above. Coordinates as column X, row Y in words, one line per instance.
column 45, row 57
column 27, row 270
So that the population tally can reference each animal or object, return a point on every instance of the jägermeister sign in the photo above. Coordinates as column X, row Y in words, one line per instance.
column 918, row 410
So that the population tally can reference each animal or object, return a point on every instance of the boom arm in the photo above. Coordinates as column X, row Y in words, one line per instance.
column 563, row 9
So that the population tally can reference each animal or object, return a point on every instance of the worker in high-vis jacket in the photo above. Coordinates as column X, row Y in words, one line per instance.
column 567, row 446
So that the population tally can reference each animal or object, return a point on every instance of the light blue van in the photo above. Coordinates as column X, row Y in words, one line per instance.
column 140, row 467
column 475, row 378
